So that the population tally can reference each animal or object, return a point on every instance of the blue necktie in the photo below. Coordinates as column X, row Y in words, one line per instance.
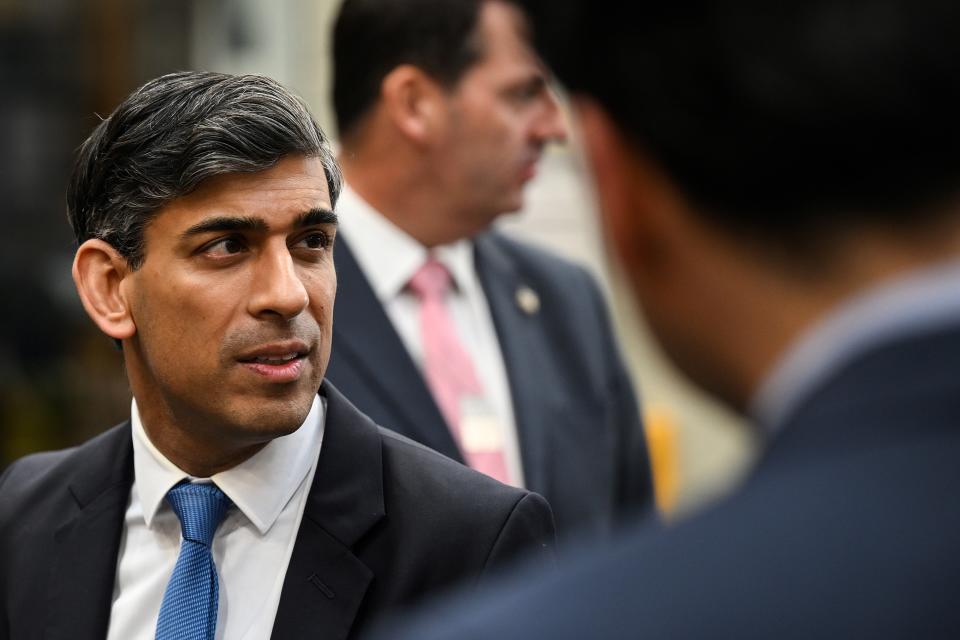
column 189, row 608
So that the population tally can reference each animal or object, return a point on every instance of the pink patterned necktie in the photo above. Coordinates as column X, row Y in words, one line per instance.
column 450, row 374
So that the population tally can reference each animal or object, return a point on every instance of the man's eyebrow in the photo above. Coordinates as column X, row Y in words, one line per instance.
column 316, row 216
column 226, row 223
column 245, row 223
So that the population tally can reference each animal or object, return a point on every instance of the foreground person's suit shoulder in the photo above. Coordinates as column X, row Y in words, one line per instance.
column 847, row 529
column 386, row 523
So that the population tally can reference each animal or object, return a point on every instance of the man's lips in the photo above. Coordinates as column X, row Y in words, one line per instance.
column 278, row 361
column 528, row 170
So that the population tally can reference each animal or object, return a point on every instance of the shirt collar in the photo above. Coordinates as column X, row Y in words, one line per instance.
column 260, row 486
column 388, row 256
column 921, row 301
column 457, row 257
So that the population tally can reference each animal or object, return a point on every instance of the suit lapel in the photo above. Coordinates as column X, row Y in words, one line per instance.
column 370, row 345
column 86, row 543
column 325, row 582
column 520, row 331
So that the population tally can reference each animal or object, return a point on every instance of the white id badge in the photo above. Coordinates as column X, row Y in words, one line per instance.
column 480, row 431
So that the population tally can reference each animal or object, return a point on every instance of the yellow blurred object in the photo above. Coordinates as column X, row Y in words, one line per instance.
column 662, row 442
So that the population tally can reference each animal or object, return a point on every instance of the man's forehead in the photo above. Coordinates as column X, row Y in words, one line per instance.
column 506, row 57
column 279, row 196
column 503, row 33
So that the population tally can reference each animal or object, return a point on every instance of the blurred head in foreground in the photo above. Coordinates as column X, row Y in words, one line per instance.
column 759, row 162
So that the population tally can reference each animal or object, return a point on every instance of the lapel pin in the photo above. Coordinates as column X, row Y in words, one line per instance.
column 528, row 300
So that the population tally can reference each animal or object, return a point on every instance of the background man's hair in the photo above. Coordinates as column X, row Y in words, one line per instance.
column 782, row 118
column 173, row 133
column 373, row 37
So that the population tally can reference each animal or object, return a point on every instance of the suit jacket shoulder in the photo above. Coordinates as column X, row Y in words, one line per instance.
column 45, row 488
column 847, row 529
column 461, row 504
column 30, row 479
column 61, row 518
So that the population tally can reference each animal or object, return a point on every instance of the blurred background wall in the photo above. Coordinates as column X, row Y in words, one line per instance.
column 65, row 62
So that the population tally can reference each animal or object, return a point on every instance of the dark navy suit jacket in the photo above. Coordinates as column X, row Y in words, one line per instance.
column 848, row 528
column 581, row 440
column 387, row 522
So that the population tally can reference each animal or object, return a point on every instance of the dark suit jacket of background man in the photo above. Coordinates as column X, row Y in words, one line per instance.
column 386, row 522
column 581, row 440
column 846, row 529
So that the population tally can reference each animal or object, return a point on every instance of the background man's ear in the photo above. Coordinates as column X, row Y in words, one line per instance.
column 414, row 102
column 98, row 272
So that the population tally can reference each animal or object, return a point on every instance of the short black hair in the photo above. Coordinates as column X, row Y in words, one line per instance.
column 373, row 37
column 173, row 133
column 779, row 116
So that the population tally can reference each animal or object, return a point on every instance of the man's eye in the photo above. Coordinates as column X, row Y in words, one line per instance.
column 225, row 247
column 528, row 91
column 316, row 240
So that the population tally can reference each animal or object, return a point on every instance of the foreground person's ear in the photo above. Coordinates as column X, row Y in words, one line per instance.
column 639, row 205
column 98, row 272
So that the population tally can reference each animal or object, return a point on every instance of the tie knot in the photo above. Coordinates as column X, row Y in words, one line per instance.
column 201, row 508
column 431, row 281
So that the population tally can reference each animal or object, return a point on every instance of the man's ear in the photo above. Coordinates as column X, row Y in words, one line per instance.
column 414, row 102
column 639, row 205
column 98, row 272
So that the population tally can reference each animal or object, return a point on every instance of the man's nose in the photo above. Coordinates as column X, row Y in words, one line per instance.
column 550, row 125
column 277, row 287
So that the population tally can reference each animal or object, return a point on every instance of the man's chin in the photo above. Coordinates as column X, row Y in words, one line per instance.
column 266, row 420
column 509, row 204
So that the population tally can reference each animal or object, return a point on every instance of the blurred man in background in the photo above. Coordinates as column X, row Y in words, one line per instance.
column 485, row 349
column 782, row 183
column 236, row 501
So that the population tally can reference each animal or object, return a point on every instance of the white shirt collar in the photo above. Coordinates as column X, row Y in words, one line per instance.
column 924, row 300
column 388, row 256
column 260, row 486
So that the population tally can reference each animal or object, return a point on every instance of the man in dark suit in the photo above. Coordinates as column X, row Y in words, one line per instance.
column 237, row 501
column 444, row 110
column 782, row 183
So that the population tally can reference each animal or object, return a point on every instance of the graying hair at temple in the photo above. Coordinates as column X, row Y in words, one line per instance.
column 173, row 133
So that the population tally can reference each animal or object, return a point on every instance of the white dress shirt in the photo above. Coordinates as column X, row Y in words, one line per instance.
column 920, row 301
column 389, row 257
column 251, row 548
